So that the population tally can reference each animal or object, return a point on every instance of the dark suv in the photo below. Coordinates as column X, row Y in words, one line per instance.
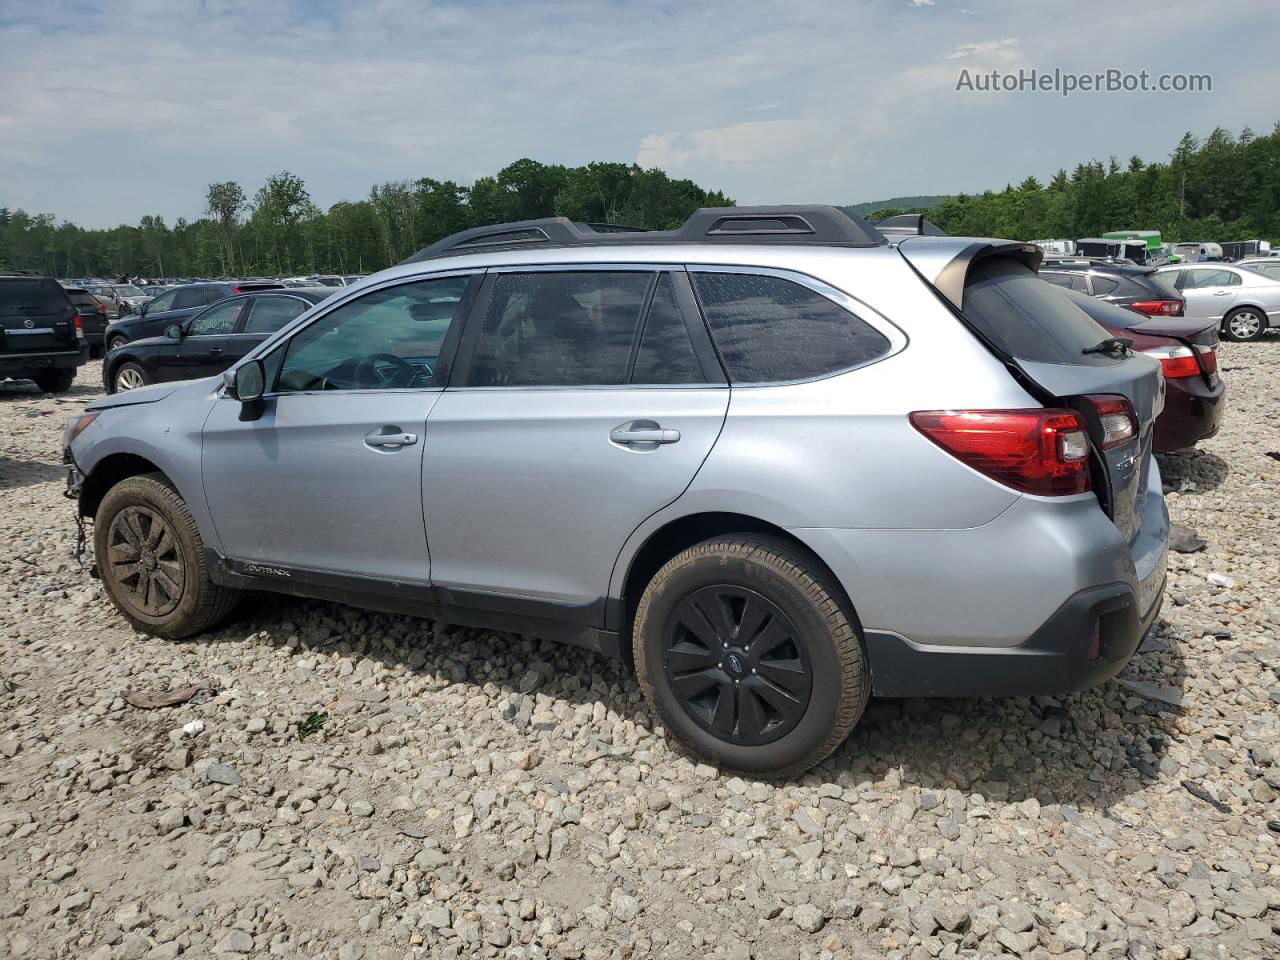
column 94, row 318
column 40, row 333
column 1153, row 319
column 175, row 306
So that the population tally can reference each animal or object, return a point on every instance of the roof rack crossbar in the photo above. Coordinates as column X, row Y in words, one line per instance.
column 822, row 225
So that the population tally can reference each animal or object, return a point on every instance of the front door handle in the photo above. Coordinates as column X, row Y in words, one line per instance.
column 215, row 351
column 643, row 431
column 390, row 441
column 1222, row 293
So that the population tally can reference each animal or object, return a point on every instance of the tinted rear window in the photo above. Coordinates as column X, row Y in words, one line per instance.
column 1026, row 317
column 33, row 296
column 770, row 330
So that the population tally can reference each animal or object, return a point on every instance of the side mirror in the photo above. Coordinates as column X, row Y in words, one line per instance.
column 173, row 331
column 142, row 308
column 250, row 382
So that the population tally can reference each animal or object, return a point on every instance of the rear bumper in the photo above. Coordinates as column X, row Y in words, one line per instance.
column 1006, row 609
column 1192, row 412
column 1054, row 660
column 21, row 364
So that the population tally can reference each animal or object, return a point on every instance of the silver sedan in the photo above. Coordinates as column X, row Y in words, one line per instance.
column 1243, row 301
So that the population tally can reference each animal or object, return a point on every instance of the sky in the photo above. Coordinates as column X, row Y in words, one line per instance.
column 112, row 111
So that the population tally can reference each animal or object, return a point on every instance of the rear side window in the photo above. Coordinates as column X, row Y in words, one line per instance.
column 1025, row 318
column 770, row 330
column 34, row 297
column 190, row 297
column 1103, row 286
column 666, row 353
column 553, row 329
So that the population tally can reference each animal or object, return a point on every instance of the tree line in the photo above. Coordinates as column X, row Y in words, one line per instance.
column 1212, row 190
column 280, row 231
column 1222, row 188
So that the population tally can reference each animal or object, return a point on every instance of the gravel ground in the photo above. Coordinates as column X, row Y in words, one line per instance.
column 358, row 785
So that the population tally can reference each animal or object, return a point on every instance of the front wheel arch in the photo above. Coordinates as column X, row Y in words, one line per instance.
column 109, row 472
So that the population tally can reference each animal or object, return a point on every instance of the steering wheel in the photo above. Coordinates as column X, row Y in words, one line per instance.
column 365, row 376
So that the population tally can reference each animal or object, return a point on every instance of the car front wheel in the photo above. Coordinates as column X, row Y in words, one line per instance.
column 151, row 559
column 1244, row 324
column 749, row 655
column 128, row 376
column 116, row 343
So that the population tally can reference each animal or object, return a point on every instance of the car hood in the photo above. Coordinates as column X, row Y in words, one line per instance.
column 129, row 398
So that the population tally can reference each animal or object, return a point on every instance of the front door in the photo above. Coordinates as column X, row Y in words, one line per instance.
column 205, row 339
column 580, row 407
column 339, row 444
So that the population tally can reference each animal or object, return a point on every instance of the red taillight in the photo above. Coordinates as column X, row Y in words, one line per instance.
column 1176, row 362
column 1158, row 308
column 79, row 325
column 1208, row 358
column 1045, row 452
column 1116, row 417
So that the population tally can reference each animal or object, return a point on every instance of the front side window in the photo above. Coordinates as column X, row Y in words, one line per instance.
column 770, row 330
column 272, row 313
column 387, row 339
column 220, row 319
column 162, row 302
column 559, row 329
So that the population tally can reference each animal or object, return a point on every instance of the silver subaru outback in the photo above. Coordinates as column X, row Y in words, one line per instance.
column 779, row 458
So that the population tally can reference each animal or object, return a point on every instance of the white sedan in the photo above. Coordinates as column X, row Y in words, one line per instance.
column 1243, row 301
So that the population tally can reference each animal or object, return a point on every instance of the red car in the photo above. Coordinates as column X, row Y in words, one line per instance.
column 1135, row 303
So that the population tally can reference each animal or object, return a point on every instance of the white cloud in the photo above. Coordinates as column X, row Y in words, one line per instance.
column 771, row 103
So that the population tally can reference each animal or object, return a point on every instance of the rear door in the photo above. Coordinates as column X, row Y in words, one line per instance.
column 585, row 399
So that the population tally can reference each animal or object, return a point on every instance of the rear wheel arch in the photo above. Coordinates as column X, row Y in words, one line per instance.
column 681, row 533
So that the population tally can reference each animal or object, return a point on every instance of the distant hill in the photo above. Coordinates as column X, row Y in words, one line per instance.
column 899, row 203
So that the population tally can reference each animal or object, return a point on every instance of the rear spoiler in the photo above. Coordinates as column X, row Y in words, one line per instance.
column 945, row 262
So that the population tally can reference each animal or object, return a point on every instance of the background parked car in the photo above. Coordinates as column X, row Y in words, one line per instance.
column 1136, row 303
column 39, row 332
column 1267, row 266
column 1245, row 303
column 210, row 341
column 94, row 318
column 175, row 306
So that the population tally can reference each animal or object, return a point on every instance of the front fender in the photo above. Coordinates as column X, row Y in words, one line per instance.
column 166, row 434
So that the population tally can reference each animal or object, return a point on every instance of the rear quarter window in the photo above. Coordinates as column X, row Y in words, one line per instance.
column 771, row 330
column 1027, row 318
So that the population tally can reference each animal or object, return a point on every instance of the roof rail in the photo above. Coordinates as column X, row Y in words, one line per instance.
column 819, row 225
column 909, row 225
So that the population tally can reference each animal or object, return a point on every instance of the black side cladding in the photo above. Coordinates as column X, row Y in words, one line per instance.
column 815, row 225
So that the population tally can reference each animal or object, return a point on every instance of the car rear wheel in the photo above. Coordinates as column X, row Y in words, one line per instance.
column 1244, row 324
column 749, row 655
column 128, row 376
column 151, row 559
column 55, row 381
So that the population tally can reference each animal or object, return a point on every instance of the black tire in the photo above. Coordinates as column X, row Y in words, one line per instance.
column 55, row 381
column 166, row 591
column 774, row 590
column 116, row 343
column 1244, row 324
column 97, row 351
column 128, row 376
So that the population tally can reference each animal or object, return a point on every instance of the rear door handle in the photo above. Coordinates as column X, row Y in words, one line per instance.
column 643, row 431
column 390, row 440
column 1222, row 293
